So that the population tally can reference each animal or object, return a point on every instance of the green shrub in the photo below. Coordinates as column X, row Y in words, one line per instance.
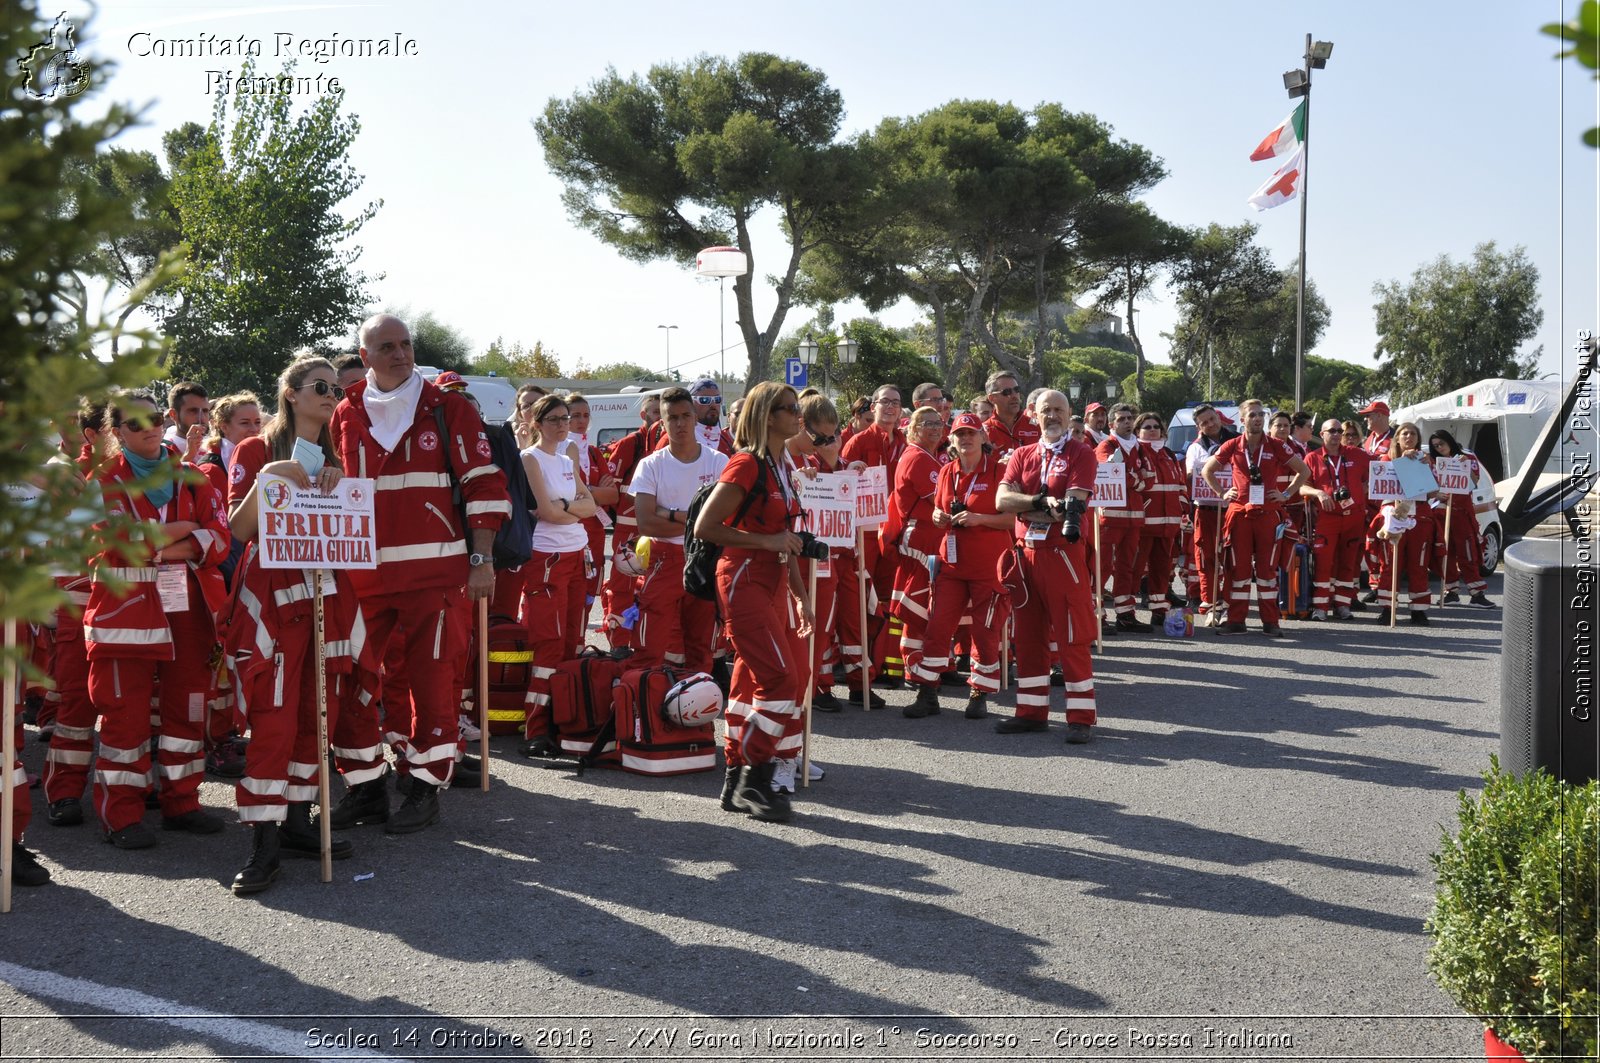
column 1514, row 923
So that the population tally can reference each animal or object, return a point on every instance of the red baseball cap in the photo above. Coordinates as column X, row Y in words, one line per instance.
column 449, row 380
column 966, row 422
column 1093, row 406
column 1375, row 407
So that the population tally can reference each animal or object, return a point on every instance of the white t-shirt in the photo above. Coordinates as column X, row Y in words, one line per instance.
column 560, row 481
column 673, row 482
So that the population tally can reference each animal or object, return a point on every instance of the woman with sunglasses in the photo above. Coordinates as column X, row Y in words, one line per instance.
column 270, row 636
column 1166, row 499
column 1411, row 553
column 1465, row 548
column 973, row 534
column 155, row 631
column 751, row 514
column 555, row 597
column 912, row 536
column 602, row 487
column 816, row 446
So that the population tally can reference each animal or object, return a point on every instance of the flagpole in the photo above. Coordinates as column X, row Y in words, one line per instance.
column 1300, row 295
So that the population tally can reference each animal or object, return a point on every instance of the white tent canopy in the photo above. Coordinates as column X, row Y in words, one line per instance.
column 1487, row 400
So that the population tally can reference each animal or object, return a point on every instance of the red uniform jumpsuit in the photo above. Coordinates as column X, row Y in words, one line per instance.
column 273, row 656
column 553, row 604
column 22, row 800
column 1464, row 552
column 1121, row 530
column 422, row 563
column 1166, row 496
column 910, row 534
column 1376, row 446
column 769, row 670
column 1207, row 534
column 1413, row 550
column 1251, row 530
column 675, row 627
column 133, row 639
column 620, row 589
column 1055, row 600
column 968, row 577
column 837, row 608
column 1340, row 532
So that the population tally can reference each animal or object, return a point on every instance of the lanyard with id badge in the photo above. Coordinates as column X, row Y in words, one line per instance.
column 172, row 579
column 1258, row 491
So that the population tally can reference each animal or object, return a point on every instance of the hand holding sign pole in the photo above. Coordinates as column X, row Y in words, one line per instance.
column 306, row 529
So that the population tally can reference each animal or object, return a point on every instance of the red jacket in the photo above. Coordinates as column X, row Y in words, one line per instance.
column 421, row 543
column 873, row 446
column 1346, row 469
column 624, row 457
column 132, row 624
column 1166, row 497
column 1005, row 440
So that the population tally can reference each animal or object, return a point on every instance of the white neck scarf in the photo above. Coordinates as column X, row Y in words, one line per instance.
column 392, row 412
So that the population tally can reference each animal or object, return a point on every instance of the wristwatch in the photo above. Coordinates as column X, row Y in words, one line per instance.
column 479, row 559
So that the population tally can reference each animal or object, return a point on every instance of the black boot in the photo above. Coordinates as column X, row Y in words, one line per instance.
column 730, row 786
column 420, row 809
column 363, row 803
column 755, row 795
column 301, row 836
column 258, row 874
column 927, row 703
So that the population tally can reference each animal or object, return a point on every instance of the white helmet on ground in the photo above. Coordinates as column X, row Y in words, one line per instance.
column 633, row 557
column 694, row 701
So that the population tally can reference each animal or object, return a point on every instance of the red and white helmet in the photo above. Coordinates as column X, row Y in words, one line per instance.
column 694, row 701
column 633, row 557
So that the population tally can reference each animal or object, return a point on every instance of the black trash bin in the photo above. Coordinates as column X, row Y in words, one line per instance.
column 1548, row 659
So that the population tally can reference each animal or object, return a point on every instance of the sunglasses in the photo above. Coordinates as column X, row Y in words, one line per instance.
column 562, row 418
column 1008, row 392
column 823, row 441
column 792, row 407
column 1149, row 428
column 1333, row 431
column 135, row 423
column 708, row 400
column 323, row 388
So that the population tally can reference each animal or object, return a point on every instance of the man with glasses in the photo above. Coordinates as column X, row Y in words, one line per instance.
column 1047, row 485
column 418, row 443
column 1122, row 528
column 189, row 410
column 1009, row 428
column 1337, row 487
column 1255, row 522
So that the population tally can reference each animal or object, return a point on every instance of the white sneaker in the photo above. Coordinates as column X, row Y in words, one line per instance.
column 469, row 730
column 783, row 775
column 815, row 773
column 1319, row 614
column 1214, row 618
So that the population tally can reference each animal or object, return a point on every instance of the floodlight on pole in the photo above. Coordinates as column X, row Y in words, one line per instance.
column 1075, row 390
column 721, row 263
column 1111, row 389
column 1298, row 84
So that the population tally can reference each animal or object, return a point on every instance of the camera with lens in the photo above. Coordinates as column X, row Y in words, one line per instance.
column 812, row 547
column 1341, row 494
column 957, row 506
column 1255, row 473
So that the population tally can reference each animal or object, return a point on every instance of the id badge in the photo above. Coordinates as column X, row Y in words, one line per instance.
column 825, row 568
column 1258, row 494
column 1346, row 504
column 172, row 584
column 950, row 555
column 1038, row 531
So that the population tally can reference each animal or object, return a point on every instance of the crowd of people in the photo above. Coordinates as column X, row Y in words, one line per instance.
column 177, row 652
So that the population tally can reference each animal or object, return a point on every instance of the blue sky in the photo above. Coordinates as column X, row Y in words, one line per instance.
column 1435, row 126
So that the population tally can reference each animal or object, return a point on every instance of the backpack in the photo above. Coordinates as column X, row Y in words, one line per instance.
column 513, row 540
column 699, row 556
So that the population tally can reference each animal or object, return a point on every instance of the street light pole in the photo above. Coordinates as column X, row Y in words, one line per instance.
column 1316, row 58
column 668, row 334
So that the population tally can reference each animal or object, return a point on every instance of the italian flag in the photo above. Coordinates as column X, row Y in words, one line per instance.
column 1283, row 185
column 1284, row 139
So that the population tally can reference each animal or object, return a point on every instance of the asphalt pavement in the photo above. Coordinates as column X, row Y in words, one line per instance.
column 1237, row 866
